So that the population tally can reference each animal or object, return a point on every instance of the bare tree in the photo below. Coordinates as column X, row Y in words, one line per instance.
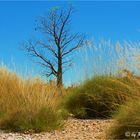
column 58, row 44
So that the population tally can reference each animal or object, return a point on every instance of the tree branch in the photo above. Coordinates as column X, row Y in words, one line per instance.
column 32, row 51
column 79, row 44
column 49, row 48
column 64, row 23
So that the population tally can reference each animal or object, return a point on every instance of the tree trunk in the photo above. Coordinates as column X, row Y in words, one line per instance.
column 59, row 72
column 59, row 79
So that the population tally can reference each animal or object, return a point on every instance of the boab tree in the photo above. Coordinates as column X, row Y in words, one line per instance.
column 59, row 42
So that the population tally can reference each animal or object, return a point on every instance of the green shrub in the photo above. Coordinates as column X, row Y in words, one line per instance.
column 44, row 120
column 127, row 122
column 99, row 97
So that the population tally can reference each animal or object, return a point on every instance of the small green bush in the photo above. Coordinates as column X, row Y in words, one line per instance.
column 44, row 120
column 99, row 97
column 127, row 122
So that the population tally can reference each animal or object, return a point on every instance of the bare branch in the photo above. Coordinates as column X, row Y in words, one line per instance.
column 64, row 23
column 30, row 48
column 65, row 62
column 79, row 44
column 50, row 70
column 50, row 48
column 68, row 41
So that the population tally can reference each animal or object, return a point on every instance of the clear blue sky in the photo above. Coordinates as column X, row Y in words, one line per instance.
column 109, row 20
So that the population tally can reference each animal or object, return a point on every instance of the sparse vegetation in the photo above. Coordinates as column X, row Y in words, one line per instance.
column 90, row 85
column 33, row 104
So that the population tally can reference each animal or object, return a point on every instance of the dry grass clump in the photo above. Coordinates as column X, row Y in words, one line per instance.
column 27, row 104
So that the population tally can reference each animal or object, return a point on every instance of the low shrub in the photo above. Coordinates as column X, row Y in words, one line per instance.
column 43, row 120
column 99, row 97
column 127, row 122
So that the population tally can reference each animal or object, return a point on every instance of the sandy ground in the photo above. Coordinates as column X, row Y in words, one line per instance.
column 74, row 129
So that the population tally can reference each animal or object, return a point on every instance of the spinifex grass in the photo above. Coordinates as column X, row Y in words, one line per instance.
column 126, row 122
column 101, row 96
column 27, row 104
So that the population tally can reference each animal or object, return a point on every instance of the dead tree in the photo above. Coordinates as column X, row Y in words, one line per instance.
column 58, row 43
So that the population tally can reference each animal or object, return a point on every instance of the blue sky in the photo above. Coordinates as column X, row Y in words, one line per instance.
column 108, row 20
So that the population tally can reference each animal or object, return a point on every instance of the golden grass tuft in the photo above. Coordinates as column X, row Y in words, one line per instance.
column 27, row 104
